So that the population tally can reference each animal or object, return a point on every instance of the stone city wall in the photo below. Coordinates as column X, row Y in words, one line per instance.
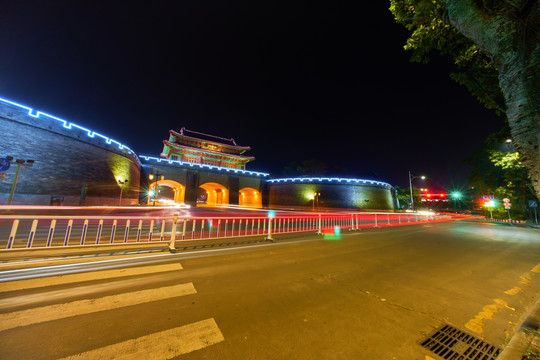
column 333, row 194
column 73, row 166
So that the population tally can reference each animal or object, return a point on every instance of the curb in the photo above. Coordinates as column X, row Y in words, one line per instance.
column 524, row 336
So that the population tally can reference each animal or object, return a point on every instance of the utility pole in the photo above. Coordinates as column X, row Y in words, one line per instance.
column 19, row 163
column 411, row 177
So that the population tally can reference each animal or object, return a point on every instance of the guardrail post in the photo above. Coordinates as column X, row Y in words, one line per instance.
column 12, row 234
column 32, row 234
column 51, row 233
column 84, row 230
column 68, row 232
column 184, row 221
column 139, row 229
column 172, row 247
column 100, row 228
column 319, row 231
column 151, row 231
column 202, row 228
column 269, row 236
column 126, row 231
column 113, row 230
column 161, row 236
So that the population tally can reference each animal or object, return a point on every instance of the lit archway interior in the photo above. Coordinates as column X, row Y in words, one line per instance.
column 216, row 194
column 250, row 197
column 168, row 191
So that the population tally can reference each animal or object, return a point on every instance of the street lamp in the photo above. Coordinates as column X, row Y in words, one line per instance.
column 411, row 177
column 17, row 162
column 121, row 183
column 314, row 197
column 155, row 177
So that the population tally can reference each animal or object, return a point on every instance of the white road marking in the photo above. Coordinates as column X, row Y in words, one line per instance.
column 91, row 275
column 161, row 345
column 81, row 307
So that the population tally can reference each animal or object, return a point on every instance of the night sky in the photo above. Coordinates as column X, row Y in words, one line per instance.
column 294, row 80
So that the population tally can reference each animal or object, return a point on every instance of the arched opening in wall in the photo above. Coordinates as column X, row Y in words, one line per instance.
column 249, row 197
column 212, row 194
column 168, row 192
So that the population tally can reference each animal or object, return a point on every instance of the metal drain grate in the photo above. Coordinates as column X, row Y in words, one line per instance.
column 453, row 344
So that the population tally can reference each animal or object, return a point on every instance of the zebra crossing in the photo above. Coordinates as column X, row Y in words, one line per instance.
column 165, row 344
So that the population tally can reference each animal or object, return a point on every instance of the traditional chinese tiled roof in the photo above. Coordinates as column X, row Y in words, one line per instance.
column 205, row 141
column 208, row 151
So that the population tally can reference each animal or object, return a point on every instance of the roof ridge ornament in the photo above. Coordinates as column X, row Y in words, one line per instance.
column 200, row 133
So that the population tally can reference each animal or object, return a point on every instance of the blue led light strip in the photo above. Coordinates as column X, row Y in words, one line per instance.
column 202, row 166
column 330, row 179
column 70, row 125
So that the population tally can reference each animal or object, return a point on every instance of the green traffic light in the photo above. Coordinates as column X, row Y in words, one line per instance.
column 456, row 195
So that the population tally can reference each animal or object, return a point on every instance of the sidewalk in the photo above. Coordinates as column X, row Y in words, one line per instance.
column 521, row 223
column 526, row 338
column 525, row 343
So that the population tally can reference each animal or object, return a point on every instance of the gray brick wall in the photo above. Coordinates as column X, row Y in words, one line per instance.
column 68, row 163
column 332, row 195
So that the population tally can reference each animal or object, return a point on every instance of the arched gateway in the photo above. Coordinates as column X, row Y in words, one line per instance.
column 168, row 191
column 205, row 170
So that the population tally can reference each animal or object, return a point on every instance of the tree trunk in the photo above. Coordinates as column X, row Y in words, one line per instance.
column 510, row 35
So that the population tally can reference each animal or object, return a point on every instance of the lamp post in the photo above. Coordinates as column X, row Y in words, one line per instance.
column 121, row 183
column 17, row 162
column 411, row 177
column 156, row 176
column 314, row 197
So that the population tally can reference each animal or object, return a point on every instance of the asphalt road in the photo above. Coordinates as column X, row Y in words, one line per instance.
column 374, row 294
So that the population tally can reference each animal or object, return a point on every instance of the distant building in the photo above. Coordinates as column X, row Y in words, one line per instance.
column 434, row 198
column 195, row 147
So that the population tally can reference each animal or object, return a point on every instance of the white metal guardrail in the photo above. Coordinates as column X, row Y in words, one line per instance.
column 29, row 232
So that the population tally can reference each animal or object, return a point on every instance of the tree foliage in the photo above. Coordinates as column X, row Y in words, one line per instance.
column 496, row 48
column 432, row 33
column 403, row 195
column 497, row 171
